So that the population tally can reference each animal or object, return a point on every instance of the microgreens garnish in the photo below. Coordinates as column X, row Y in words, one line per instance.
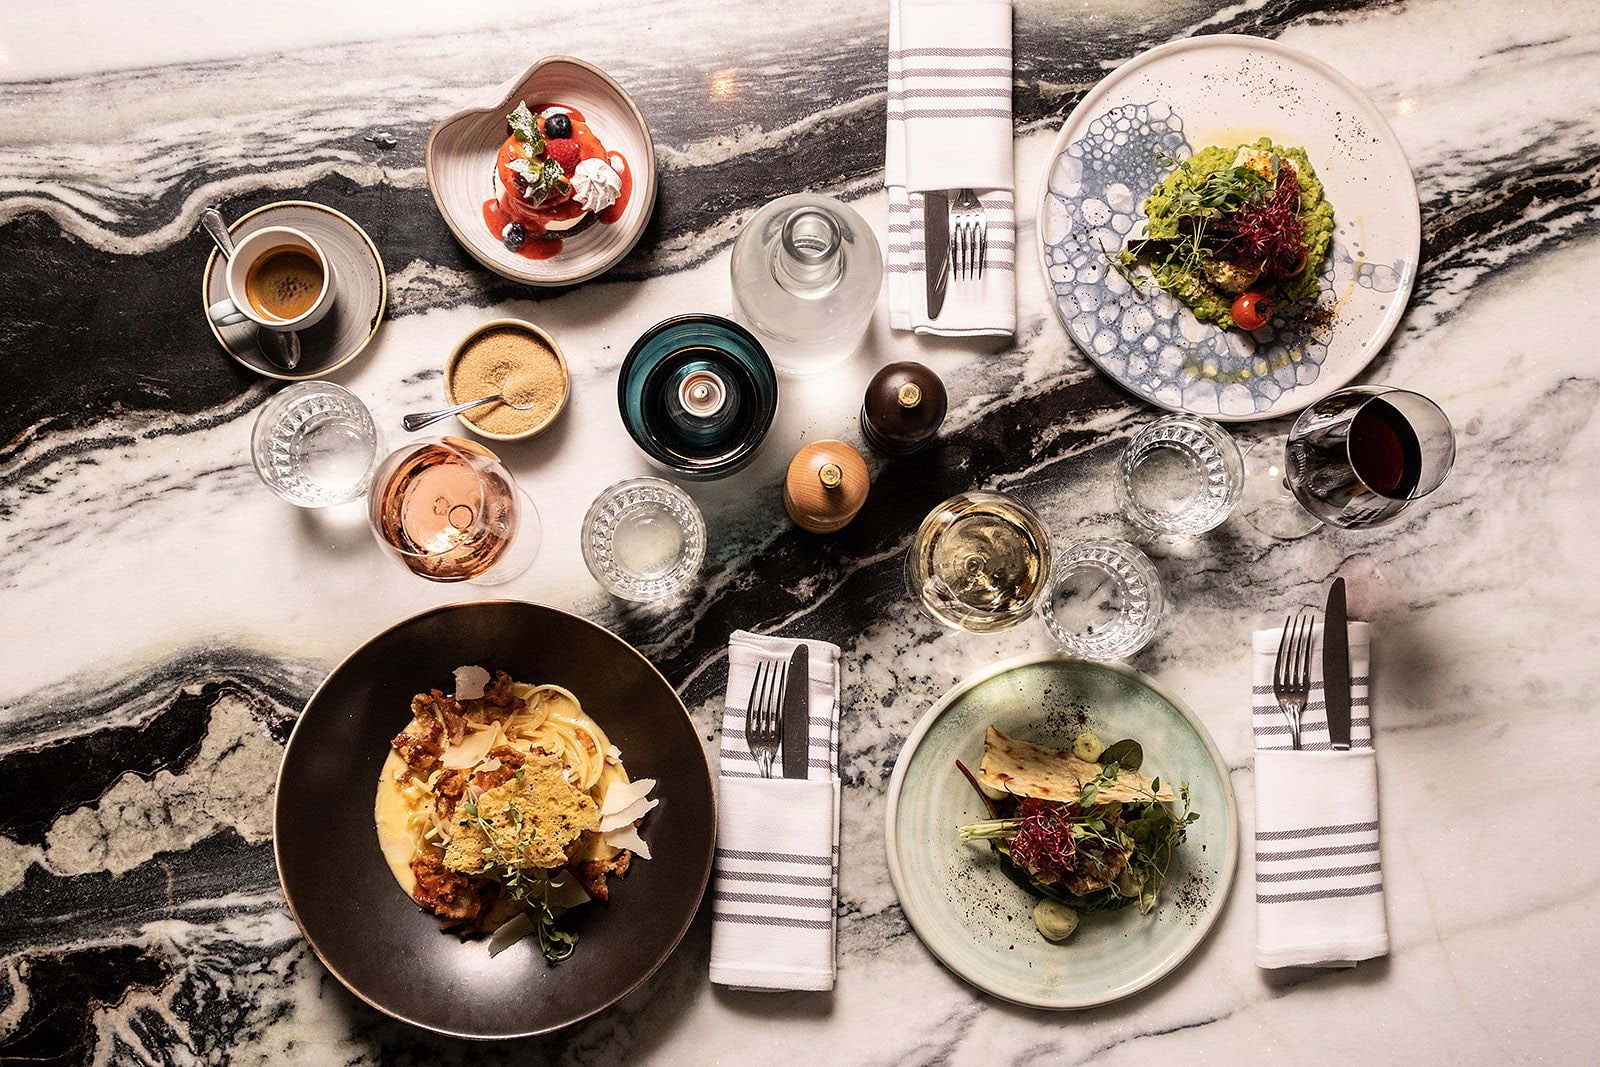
column 1195, row 210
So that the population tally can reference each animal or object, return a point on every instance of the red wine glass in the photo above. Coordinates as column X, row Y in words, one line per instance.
column 1357, row 457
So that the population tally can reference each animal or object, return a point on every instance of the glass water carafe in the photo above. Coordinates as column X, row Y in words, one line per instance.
column 806, row 275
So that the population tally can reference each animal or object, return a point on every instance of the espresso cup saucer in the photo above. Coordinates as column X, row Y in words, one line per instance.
column 359, row 303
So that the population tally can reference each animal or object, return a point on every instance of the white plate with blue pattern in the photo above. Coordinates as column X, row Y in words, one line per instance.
column 976, row 920
column 1174, row 101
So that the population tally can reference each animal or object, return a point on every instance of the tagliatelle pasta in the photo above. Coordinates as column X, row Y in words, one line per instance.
column 493, row 803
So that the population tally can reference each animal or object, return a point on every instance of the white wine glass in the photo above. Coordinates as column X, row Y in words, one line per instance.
column 979, row 562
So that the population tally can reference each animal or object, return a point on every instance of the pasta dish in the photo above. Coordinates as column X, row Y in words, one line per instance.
column 504, row 805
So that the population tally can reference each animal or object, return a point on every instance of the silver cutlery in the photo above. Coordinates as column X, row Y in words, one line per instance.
column 1291, row 676
column 796, row 714
column 969, row 236
column 418, row 420
column 1336, row 668
column 763, row 722
column 280, row 348
column 936, row 249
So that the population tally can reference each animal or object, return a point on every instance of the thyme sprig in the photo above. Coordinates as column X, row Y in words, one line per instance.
column 531, row 888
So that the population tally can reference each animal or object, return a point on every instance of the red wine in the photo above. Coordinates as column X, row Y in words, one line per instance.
column 1384, row 450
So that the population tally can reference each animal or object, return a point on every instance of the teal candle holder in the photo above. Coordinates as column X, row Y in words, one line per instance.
column 698, row 394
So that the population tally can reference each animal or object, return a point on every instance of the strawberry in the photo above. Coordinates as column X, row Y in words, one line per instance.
column 565, row 152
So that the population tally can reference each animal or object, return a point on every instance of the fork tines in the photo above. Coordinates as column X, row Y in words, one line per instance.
column 1291, row 675
column 969, row 236
column 763, row 724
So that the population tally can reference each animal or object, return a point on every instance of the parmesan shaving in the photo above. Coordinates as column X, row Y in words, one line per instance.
column 627, row 837
column 471, row 682
column 471, row 750
column 631, row 813
column 613, row 754
column 510, row 932
column 625, row 794
column 565, row 894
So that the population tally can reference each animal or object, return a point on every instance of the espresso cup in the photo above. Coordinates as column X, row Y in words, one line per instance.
column 277, row 278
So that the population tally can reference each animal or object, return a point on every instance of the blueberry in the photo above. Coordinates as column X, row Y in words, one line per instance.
column 513, row 235
column 557, row 127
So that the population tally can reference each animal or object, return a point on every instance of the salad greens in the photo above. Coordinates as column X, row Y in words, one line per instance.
column 1089, row 854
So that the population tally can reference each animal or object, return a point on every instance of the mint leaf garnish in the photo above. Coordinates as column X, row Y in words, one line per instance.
column 555, row 178
column 542, row 177
column 525, row 128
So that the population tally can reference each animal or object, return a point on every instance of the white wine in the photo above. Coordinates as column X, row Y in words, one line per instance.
column 979, row 561
column 448, row 510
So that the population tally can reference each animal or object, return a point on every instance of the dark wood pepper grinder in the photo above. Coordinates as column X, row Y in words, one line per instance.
column 904, row 405
column 826, row 486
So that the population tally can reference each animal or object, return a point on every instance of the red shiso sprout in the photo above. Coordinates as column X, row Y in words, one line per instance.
column 1043, row 843
column 1271, row 234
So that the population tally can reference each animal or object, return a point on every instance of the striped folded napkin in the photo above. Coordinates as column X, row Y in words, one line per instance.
column 777, row 868
column 950, row 129
column 1319, row 874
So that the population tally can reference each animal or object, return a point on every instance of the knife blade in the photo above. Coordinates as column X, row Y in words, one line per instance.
column 936, row 248
column 1336, row 667
column 797, row 715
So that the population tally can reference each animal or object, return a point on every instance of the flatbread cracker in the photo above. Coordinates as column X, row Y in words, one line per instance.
column 1024, row 769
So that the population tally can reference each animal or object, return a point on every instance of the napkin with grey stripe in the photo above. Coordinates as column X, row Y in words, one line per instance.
column 773, row 917
column 950, row 129
column 1319, row 873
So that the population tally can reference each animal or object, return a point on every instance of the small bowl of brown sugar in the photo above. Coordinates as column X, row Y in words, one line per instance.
column 516, row 360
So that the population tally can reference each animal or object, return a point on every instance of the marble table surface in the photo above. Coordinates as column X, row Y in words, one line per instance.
column 164, row 616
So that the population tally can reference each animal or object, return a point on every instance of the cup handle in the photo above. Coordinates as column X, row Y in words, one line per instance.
column 225, row 313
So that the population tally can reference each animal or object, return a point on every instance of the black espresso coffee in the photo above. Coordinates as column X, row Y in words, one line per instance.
column 284, row 283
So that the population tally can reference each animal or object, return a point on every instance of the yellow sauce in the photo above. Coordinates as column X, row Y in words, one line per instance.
column 392, row 814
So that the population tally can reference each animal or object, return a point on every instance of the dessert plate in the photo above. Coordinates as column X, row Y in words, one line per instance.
column 357, row 311
column 964, row 907
column 1178, row 99
column 460, row 163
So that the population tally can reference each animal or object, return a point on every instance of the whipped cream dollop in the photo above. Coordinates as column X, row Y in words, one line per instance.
column 595, row 184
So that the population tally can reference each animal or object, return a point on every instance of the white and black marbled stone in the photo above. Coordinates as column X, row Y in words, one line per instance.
column 163, row 616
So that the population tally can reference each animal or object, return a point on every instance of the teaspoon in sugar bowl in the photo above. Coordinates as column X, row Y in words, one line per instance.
column 428, row 418
column 282, row 348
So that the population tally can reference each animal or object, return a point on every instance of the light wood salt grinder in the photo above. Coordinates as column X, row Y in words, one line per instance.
column 826, row 485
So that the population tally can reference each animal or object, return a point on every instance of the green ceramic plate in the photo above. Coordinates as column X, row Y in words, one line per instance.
column 975, row 919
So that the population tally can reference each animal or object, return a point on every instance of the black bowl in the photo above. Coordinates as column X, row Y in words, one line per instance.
column 373, row 937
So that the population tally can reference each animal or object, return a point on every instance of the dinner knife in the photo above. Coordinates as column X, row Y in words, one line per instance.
column 797, row 715
column 936, row 248
column 1336, row 667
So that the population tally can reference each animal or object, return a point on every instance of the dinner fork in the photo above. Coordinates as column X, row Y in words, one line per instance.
column 763, row 722
column 1291, row 676
column 969, row 236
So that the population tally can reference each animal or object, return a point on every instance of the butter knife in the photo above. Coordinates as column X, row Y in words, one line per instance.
column 1336, row 667
column 797, row 715
column 936, row 248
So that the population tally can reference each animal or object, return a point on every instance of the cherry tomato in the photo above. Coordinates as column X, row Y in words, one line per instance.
column 1251, row 311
